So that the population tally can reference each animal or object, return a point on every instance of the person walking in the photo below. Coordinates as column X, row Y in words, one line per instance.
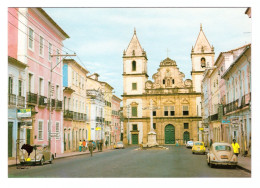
column 236, row 147
column 98, row 146
column 101, row 144
column 106, row 143
column 90, row 147
column 210, row 143
column 80, row 145
column 84, row 145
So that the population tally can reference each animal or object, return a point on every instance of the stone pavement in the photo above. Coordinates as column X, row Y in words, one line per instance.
column 12, row 161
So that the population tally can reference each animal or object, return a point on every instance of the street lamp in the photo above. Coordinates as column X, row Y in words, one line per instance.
column 52, row 68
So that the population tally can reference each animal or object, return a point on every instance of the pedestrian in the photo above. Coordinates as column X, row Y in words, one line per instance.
column 84, row 145
column 210, row 143
column 80, row 145
column 90, row 147
column 98, row 145
column 177, row 143
column 101, row 144
column 236, row 147
column 106, row 143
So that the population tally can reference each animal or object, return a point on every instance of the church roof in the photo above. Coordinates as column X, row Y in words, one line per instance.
column 202, row 44
column 134, row 48
column 168, row 62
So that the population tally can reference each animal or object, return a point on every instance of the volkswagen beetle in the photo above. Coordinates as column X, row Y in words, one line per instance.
column 198, row 147
column 221, row 153
column 39, row 155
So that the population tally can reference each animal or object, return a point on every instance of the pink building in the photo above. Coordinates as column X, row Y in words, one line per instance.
column 116, row 125
column 43, row 38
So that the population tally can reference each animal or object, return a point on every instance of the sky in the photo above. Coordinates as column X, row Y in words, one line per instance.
column 99, row 35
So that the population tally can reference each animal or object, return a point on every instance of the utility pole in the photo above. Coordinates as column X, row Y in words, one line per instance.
column 52, row 68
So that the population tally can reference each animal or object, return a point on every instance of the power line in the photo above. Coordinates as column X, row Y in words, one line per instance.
column 41, row 30
column 34, row 32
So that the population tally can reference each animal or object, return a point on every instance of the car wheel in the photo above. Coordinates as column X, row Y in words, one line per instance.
column 192, row 152
column 211, row 165
column 234, row 166
column 42, row 161
column 52, row 158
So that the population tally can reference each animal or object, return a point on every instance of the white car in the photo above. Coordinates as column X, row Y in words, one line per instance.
column 119, row 145
column 189, row 144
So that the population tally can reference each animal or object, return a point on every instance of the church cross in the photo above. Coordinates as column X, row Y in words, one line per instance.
column 167, row 52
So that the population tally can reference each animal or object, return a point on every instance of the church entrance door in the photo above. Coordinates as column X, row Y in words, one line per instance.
column 169, row 134
column 186, row 137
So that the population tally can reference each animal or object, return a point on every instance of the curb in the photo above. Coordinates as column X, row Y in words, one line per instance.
column 243, row 168
column 11, row 165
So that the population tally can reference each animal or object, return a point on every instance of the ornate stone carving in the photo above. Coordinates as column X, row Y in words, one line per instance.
column 168, row 62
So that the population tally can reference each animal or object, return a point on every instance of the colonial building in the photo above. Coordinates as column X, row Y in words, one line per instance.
column 75, row 120
column 115, row 124
column 175, row 101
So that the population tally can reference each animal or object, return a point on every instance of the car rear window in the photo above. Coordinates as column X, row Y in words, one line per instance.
column 223, row 148
column 198, row 144
column 119, row 142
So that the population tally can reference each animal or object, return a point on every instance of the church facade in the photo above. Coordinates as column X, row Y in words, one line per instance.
column 170, row 102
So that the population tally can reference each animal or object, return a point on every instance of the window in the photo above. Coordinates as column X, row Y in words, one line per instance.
column 172, row 112
column 58, row 129
column 154, row 113
column 154, row 125
column 134, row 111
column 41, row 87
column 185, row 110
column 50, row 48
column 163, row 81
column 57, row 92
column 172, row 81
column 134, row 66
column 19, row 87
column 76, row 79
column 73, row 77
column 30, row 80
column 49, row 89
column 186, row 125
column 57, row 57
column 31, row 36
column 40, row 130
column 48, row 129
column 134, row 127
column 10, row 85
column 166, row 111
column 64, row 103
column 134, row 86
column 41, row 46
column 68, row 103
column 203, row 62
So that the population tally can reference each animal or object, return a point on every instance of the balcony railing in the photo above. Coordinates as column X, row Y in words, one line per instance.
column 230, row 107
column 68, row 114
column 213, row 117
column 11, row 99
column 20, row 101
column 58, row 105
column 43, row 101
column 32, row 98
column 52, row 103
column 245, row 100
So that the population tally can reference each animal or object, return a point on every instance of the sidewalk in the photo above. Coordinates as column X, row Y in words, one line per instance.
column 244, row 163
column 12, row 162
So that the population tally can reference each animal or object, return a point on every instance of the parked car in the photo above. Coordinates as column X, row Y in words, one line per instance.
column 221, row 153
column 198, row 147
column 39, row 155
column 189, row 144
column 119, row 145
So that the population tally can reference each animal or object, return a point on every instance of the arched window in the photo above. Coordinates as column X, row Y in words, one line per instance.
column 133, row 65
column 203, row 62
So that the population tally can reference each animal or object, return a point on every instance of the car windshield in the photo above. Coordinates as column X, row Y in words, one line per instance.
column 198, row 144
column 223, row 148
column 190, row 142
column 120, row 142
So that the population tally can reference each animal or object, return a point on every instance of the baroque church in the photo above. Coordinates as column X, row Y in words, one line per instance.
column 170, row 104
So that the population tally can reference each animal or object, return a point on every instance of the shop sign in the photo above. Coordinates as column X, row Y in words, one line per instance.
column 201, row 128
column 26, row 127
column 24, row 113
column 224, row 121
column 98, row 128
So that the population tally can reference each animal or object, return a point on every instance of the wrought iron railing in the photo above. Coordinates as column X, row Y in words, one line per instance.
column 43, row 101
column 68, row 114
column 20, row 101
column 213, row 117
column 58, row 105
column 32, row 98
column 11, row 99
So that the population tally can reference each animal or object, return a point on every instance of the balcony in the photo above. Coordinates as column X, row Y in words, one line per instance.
column 21, row 101
column 58, row 105
column 11, row 99
column 245, row 100
column 32, row 98
column 230, row 107
column 75, row 116
column 68, row 114
column 214, row 117
column 52, row 103
column 43, row 101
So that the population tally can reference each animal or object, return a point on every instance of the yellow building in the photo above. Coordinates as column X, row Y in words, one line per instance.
column 76, row 127
column 174, row 100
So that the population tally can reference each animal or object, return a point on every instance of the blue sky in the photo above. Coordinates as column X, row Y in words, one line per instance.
column 99, row 35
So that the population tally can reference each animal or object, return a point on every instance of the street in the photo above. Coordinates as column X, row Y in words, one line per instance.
column 129, row 162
